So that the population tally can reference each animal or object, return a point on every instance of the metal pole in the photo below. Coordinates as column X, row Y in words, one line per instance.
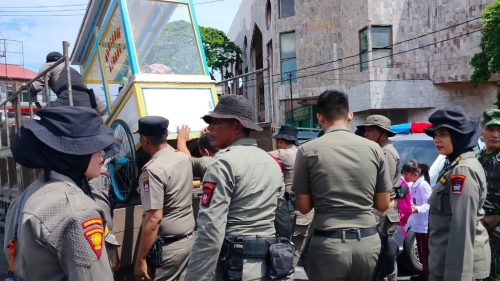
column 46, row 90
column 18, row 110
column 6, row 124
column 30, row 100
column 291, row 96
column 68, row 71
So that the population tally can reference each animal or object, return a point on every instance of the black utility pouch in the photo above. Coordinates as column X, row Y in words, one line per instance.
column 93, row 101
column 281, row 259
column 232, row 259
column 154, row 256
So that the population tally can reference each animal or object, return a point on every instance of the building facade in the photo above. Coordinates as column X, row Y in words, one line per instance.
column 398, row 58
column 12, row 75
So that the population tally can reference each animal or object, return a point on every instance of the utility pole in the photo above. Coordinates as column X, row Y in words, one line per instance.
column 291, row 95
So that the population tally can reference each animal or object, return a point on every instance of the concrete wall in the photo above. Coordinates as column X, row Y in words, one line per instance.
column 327, row 37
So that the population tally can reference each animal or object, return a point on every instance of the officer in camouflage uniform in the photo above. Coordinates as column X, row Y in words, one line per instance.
column 489, row 158
column 241, row 191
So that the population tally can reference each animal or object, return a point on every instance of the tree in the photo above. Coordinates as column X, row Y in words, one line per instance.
column 487, row 62
column 221, row 52
column 175, row 47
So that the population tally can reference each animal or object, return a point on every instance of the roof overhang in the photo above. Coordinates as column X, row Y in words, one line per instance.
column 86, row 29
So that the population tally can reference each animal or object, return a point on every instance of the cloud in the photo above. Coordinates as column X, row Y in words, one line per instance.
column 41, row 35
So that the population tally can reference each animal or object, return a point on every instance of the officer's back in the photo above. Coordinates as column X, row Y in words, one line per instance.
column 257, row 180
column 335, row 159
column 342, row 176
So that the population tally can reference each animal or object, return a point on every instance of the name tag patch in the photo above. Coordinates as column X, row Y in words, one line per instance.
column 457, row 184
column 208, row 191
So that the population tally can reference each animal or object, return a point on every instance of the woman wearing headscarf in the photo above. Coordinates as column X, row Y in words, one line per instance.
column 458, row 242
column 54, row 229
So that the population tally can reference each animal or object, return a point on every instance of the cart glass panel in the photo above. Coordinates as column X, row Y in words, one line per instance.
column 164, row 38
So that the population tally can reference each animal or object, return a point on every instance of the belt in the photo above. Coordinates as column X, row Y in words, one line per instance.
column 169, row 240
column 73, row 87
column 347, row 233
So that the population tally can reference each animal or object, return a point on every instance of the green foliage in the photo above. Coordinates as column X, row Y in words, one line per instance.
column 175, row 47
column 221, row 52
column 487, row 62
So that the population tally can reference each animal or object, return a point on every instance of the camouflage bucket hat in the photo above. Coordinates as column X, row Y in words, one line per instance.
column 380, row 121
column 233, row 107
column 491, row 117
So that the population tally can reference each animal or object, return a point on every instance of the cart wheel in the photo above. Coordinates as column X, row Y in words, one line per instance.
column 122, row 168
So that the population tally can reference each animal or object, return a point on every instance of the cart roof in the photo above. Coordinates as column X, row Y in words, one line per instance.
column 86, row 28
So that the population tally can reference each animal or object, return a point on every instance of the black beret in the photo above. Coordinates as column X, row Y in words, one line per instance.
column 153, row 126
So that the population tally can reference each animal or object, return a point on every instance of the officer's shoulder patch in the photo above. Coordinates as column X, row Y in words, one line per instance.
column 94, row 234
column 145, row 182
column 95, row 238
column 90, row 222
column 457, row 183
column 105, row 181
column 208, row 191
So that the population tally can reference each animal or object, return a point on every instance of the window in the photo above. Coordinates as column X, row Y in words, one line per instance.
column 165, row 40
column 287, row 8
column 268, row 14
column 381, row 47
column 287, row 56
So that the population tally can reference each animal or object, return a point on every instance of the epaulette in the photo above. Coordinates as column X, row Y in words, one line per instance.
column 146, row 165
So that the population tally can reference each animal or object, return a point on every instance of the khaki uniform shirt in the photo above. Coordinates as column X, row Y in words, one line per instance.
column 458, row 242
column 60, row 233
column 341, row 172
column 200, row 165
column 241, row 188
column 286, row 158
column 166, row 183
column 392, row 160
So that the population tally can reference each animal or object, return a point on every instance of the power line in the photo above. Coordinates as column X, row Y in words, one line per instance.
column 40, row 11
column 45, row 6
column 208, row 2
column 388, row 56
column 68, row 15
column 388, row 46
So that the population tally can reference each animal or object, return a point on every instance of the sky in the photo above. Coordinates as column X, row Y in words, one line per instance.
column 22, row 20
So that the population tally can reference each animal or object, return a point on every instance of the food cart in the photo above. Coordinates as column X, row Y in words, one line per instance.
column 146, row 57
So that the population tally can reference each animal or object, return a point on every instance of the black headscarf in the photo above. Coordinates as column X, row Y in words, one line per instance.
column 32, row 153
column 462, row 142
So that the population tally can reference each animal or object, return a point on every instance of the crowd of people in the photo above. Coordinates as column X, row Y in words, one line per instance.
column 331, row 205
